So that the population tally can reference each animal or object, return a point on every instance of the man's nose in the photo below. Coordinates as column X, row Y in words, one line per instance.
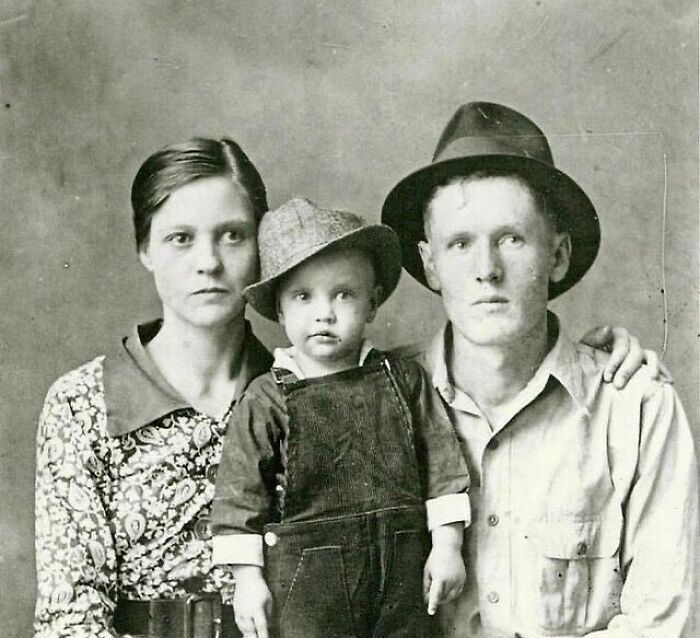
column 488, row 263
column 207, row 258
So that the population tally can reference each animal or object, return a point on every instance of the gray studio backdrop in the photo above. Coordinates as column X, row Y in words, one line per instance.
column 335, row 101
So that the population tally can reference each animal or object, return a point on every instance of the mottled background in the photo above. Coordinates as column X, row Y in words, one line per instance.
column 336, row 101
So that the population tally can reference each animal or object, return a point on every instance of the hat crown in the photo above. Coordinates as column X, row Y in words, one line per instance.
column 485, row 128
column 295, row 229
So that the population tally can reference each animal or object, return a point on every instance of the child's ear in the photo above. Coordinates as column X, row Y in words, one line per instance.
column 375, row 300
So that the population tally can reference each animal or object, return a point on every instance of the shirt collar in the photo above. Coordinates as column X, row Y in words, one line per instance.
column 136, row 393
column 560, row 363
column 284, row 358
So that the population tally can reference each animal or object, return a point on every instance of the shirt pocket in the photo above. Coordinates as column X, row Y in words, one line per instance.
column 576, row 571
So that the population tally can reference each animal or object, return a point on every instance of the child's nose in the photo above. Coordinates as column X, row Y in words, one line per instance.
column 324, row 311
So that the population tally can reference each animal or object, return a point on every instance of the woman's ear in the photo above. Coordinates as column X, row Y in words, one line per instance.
column 145, row 258
column 561, row 257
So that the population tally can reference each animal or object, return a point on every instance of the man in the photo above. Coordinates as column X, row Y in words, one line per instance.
column 584, row 497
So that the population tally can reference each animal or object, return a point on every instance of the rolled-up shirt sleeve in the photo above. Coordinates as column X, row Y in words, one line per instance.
column 245, row 487
column 445, row 471
column 661, row 526
column 75, row 555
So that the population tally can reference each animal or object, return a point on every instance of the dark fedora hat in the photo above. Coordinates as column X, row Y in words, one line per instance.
column 482, row 136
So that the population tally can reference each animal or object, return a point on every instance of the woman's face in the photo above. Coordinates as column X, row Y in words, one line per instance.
column 202, row 250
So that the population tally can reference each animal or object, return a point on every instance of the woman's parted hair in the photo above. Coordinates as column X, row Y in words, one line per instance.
column 177, row 165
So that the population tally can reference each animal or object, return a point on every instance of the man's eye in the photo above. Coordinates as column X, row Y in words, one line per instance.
column 344, row 294
column 511, row 240
column 458, row 244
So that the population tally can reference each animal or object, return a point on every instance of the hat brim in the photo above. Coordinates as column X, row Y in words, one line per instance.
column 381, row 242
column 574, row 212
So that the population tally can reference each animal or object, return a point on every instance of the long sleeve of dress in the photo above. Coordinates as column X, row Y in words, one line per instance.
column 75, row 557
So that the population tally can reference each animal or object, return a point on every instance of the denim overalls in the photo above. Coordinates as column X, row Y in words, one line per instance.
column 346, row 559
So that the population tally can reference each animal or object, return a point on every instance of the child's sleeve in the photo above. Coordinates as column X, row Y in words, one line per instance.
column 445, row 472
column 244, row 497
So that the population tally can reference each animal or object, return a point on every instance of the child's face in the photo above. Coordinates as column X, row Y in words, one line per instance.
column 324, row 305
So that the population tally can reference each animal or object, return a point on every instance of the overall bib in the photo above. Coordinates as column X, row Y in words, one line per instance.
column 346, row 559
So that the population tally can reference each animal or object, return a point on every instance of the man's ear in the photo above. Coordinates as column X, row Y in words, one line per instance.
column 145, row 258
column 561, row 257
column 426, row 255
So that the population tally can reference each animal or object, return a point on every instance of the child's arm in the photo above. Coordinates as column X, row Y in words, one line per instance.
column 444, row 573
column 243, row 501
column 252, row 601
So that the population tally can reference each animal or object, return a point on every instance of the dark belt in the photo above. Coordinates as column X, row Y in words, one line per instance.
column 197, row 616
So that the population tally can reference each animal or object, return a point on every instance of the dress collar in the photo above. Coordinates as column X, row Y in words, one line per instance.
column 136, row 393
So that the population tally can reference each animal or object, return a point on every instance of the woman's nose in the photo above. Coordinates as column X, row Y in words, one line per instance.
column 207, row 259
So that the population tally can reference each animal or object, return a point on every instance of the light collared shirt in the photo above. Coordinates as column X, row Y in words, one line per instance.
column 236, row 547
column 584, row 503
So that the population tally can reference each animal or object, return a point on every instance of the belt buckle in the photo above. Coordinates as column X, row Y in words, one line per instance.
column 214, row 601
column 178, row 617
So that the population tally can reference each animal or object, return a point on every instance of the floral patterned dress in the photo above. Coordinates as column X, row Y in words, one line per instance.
column 124, row 486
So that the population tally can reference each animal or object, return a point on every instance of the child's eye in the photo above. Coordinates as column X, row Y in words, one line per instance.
column 179, row 239
column 301, row 296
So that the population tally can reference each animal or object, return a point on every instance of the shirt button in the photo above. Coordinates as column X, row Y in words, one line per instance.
column 279, row 489
column 270, row 539
column 492, row 444
column 493, row 597
column 492, row 520
column 581, row 549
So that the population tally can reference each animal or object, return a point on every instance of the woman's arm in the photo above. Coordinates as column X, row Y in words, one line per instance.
column 75, row 556
column 626, row 355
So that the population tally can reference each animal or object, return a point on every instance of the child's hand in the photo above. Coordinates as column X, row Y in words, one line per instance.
column 443, row 576
column 252, row 601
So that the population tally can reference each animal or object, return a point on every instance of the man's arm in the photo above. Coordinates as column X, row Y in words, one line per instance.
column 661, row 526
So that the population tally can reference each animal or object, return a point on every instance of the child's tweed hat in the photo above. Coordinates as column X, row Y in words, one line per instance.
column 299, row 230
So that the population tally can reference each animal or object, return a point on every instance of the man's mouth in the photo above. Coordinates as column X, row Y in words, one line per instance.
column 490, row 299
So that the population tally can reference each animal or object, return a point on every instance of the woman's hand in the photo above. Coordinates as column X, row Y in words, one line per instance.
column 626, row 355
column 444, row 573
column 252, row 601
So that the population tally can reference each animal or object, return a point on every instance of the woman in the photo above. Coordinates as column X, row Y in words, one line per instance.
column 128, row 444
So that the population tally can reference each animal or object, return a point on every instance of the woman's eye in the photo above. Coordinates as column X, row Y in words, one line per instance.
column 233, row 236
column 179, row 239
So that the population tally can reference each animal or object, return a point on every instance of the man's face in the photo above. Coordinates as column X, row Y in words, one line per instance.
column 491, row 252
